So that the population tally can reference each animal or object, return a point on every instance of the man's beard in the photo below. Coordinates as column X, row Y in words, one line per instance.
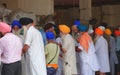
column 16, row 32
column 62, row 35
column 25, row 31
column 96, row 38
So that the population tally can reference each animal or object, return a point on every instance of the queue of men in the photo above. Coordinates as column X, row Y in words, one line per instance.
column 58, row 49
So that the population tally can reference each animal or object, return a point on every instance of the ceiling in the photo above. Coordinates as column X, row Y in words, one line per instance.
column 75, row 3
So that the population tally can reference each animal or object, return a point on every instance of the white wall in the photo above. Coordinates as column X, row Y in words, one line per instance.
column 40, row 7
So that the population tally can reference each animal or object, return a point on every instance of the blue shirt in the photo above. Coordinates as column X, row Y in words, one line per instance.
column 118, row 43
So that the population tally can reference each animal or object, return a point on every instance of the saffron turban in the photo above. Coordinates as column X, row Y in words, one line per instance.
column 50, row 35
column 4, row 27
column 82, row 28
column 108, row 32
column 64, row 29
column 25, row 21
column 102, row 27
column 16, row 23
column 99, row 31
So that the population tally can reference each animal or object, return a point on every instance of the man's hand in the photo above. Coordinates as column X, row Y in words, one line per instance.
column 77, row 49
column 25, row 48
column 63, row 50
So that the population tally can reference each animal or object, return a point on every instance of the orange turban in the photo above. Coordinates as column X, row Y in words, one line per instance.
column 64, row 29
column 108, row 32
column 117, row 33
column 98, row 31
column 4, row 28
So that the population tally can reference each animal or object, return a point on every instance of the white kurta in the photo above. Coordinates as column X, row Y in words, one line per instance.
column 35, row 56
column 69, row 58
column 101, row 47
column 60, row 66
column 88, row 61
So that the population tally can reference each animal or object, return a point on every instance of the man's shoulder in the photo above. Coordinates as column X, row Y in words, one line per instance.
column 50, row 45
column 33, row 30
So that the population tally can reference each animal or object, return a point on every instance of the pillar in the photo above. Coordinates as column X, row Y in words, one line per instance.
column 85, row 7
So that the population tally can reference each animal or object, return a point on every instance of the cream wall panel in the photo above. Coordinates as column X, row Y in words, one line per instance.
column 11, row 4
column 85, row 10
column 111, row 14
column 96, row 13
column 40, row 7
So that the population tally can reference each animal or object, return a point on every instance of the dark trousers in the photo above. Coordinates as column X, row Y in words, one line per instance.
column 12, row 69
column 51, row 71
column 118, row 65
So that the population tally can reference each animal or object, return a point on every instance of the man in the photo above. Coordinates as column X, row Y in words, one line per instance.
column 117, row 43
column 16, row 28
column 88, row 59
column 101, row 47
column 112, row 50
column 34, row 49
column 75, row 35
column 47, row 27
column 10, row 51
column 52, row 54
column 68, row 49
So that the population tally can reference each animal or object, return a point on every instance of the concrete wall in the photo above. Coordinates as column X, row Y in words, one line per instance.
column 11, row 4
column 115, row 15
column 108, row 13
column 40, row 7
column 85, row 10
column 66, row 16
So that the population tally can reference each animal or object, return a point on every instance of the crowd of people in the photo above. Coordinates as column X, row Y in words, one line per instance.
column 27, row 49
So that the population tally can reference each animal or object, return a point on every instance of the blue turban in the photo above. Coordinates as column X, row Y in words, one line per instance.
column 50, row 35
column 77, row 22
column 82, row 28
column 16, row 23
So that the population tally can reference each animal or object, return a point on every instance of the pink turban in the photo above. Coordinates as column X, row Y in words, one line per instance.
column 64, row 29
column 4, row 28
column 99, row 31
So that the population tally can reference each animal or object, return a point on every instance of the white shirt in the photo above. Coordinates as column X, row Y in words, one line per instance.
column 35, row 53
column 89, row 58
column 70, row 56
column 101, row 47
column 11, row 48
